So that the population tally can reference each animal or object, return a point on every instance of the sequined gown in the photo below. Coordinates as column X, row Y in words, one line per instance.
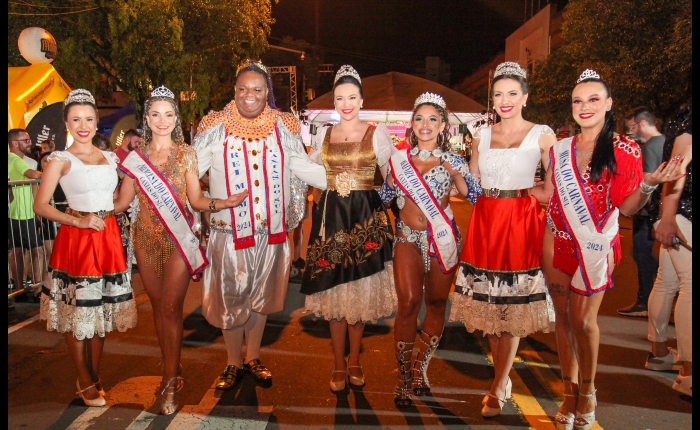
column 150, row 234
column 348, row 262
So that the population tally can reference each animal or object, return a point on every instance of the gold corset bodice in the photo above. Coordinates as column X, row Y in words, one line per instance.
column 349, row 165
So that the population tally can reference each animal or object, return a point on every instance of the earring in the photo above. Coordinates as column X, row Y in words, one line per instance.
column 524, row 104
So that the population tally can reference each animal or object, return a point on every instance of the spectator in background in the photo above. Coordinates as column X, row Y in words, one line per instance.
column 674, row 229
column 50, row 228
column 47, row 146
column 132, row 140
column 640, row 126
column 101, row 142
column 23, row 232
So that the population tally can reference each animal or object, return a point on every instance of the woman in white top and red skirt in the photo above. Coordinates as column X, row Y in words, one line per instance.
column 500, row 287
column 91, row 291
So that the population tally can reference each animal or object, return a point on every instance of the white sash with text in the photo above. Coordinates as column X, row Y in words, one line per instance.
column 592, row 237
column 441, row 233
column 166, row 205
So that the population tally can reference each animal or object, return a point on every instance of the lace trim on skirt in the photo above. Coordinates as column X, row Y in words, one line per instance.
column 363, row 300
column 516, row 304
column 88, row 308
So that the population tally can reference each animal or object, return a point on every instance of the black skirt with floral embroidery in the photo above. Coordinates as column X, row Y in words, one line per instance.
column 352, row 243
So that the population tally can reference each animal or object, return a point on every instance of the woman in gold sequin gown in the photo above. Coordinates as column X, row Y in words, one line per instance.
column 348, row 278
column 163, row 272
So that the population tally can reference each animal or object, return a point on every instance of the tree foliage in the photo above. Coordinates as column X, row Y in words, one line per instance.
column 191, row 46
column 643, row 48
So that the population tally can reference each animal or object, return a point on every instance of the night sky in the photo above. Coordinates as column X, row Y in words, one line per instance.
column 396, row 35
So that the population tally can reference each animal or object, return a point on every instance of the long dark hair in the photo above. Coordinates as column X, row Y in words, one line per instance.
column 604, row 151
column 443, row 139
column 176, row 135
column 252, row 67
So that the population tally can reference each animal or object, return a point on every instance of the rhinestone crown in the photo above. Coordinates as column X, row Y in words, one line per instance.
column 347, row 70
column 254, row 63
column 588, row 74
column 430, row 98
column 79, row 96
column 161, row 91
column 510, row 68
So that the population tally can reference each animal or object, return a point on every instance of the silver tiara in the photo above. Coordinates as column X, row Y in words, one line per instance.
column 347, row 70
column 430, row 98
column 588, row 74
column 161, row 91
column 79, row 96
column 510, row 68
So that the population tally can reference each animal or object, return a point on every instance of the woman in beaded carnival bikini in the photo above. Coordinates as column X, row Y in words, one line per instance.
column 593, row 177
column 90, row 293
column 163, row 173
column 500, row 287
column 348, row 278
column 426, row 245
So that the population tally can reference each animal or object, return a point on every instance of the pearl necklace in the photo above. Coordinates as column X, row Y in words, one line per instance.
column 424, row 154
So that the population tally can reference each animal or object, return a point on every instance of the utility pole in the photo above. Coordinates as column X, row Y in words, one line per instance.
column 316, row 13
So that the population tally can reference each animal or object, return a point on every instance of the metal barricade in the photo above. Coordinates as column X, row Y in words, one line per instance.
column 29, row 240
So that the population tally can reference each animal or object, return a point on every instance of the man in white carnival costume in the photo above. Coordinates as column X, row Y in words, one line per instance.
column 250, row 145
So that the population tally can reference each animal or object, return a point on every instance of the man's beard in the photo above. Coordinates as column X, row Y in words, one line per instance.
column 27, row 151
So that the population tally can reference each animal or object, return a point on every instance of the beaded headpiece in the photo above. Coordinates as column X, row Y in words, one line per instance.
column 347, row 70
column 430, row 98
column 588, row 74
column 161, row 91
column 248, row 63
column 510, row 68
column 79, row 96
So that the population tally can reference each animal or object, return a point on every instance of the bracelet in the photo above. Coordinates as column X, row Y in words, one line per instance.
column 647, row 189
column 212, row 205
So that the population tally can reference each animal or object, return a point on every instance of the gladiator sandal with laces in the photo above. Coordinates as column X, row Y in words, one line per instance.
column 426, row 349
column 403, row 399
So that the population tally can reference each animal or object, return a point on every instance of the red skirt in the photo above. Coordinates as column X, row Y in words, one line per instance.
column 90, row 291
column 86, row 253
column 505, row 235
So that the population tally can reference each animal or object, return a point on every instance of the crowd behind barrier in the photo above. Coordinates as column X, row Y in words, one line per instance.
column 29, row 241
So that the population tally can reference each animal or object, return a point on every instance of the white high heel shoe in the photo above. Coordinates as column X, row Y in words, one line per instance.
column 565, row 420
column 338, row 385
column 98, row 402
column 588, row 418
column 509, row 391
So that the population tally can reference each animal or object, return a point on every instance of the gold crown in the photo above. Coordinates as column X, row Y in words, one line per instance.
column 347, row 70
column 253, row 63
column 430, row 98
column 79, row 96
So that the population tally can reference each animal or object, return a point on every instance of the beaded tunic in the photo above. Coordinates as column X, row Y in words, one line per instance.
column 149, row 232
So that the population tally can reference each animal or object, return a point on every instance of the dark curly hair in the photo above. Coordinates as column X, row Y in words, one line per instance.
column 177, row 136
column 443, row 139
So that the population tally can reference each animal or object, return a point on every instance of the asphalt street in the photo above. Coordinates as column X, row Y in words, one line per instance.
column 297, row 349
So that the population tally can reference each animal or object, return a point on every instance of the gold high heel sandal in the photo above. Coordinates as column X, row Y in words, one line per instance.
column 98, row 402
column 168, row 395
